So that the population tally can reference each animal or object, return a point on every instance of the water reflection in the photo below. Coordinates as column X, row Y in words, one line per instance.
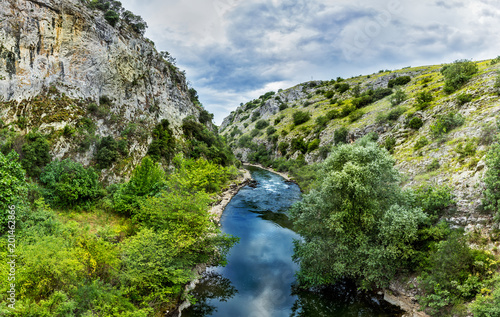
column 258, row 280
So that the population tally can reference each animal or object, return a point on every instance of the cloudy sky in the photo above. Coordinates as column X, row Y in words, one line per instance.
column 236, row 50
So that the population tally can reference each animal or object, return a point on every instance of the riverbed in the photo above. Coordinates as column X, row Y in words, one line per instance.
column 259, row 279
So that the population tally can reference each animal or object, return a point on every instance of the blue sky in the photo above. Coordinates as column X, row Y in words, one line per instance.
column 236, row 50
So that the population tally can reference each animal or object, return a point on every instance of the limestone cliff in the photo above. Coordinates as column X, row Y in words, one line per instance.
column 61, row 50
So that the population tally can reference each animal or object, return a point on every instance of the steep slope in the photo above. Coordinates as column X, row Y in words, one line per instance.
column 62, row 61
column 436, row 136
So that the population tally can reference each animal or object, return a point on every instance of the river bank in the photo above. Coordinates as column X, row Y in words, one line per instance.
column 216, row 210
column 286, row 176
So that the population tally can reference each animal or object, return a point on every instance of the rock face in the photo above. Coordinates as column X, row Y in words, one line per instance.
column 65, row 46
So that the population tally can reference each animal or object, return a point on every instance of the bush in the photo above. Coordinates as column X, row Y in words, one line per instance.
column 356, row 115
column 13, row 186
column 390, row 144
column 491, row 198
column 270, row 130
column 298, row 144
column 329, row 94
column 464, row 98
column 112, row 17
column 421, row 142
column 35, row 153
column 205, row 116
column 434, row 165
column 283, row 106
column 163, row 144
column 333, row 114
column 261, row 124
column 398, row 97
column 446, row 123
column 255, row 116
column 254, row 133
column 341, row 87
column 340, row 135
column 435, row 200
column 282, row 148
column 68, row 183
column 313, row 145
column 457, row 74
column 424, row 98
column 300, row 117
column 496, row 85
column 415, row 123
column 398, row 81
column 106, row 152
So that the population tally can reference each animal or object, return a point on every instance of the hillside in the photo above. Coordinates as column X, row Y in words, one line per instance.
column 437, row 137
column 76, row 73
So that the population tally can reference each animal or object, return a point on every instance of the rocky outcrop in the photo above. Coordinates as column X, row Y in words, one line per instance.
column 63, row 46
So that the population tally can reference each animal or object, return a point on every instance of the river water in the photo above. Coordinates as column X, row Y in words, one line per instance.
column 259, row 280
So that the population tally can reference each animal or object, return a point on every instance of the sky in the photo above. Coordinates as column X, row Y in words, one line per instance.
column 233, row 51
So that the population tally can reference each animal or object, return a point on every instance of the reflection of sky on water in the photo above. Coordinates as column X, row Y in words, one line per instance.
column 260, row 267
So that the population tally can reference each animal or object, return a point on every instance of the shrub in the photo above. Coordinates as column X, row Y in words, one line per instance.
column 329, row 94
column 92, row 107
column 341, row 87
column 398, row 81
column 420, row 143
column 356, row 115
column 464, row 98
column 261, row 124
column 496, row 85
column 301, row 117
column 298, row 144
column 415, row 123
column 313, row 145
column 35, row 153
column 434, row 165
column 346, row 110
column 106, row 152
column 398, row 97
column 68, row 183
column 457, row 74
column 446, row 123
column 282, row 148
column 13, row 186
column 255, row 116
column 390, row 144
column 270, row 130
column 283, row 106
column 333, row 114
column 205, row 116
column 491, row 198
column 434, row 200
column 467, row 150
column 424, row 98
column 495, row 60
column 112, row 17
column 254, row 133
column 245, row 141
column 163, row 144
column 340, row 135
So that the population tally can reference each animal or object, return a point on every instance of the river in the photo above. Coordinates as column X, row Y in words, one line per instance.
column 259, row 280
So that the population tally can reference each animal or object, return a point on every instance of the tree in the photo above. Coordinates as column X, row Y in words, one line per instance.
column 35, row 153
column 13, row 187
column 457, row 74
column 357, row 223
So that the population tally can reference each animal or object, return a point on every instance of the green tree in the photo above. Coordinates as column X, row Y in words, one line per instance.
column 357, row 222
column 107, row 152
column 340, row 135
column 35, row 153
column 457, row 74
column 68, row 183
column 13, row 187
column 491, row 200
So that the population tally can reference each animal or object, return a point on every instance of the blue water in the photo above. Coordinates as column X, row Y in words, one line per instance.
column 259, row 280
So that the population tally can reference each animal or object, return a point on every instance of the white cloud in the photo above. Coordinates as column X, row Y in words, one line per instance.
column 234, row 50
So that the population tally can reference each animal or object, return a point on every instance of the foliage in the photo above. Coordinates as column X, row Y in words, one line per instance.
column 491, row 200
column 341, row 87
column 415, row 123
column 464, row 98
column 457, row 74
column 68, row 183
column 398, row 97
column 298, row 144
column 254, row 133
column 390, row 144
column 35, row 153
column 270, row 130
column 163, row 144
column 487, row 303
column 340, row 135
column 420, row 143
column 356, row 223
column 255, row 116
column 424, row 98
column 435, row 200
column 112, row 17
column 313, row 145
column 106, row 152
column 434, row 165
column 391, row 116
column 300, row 117
column 205, row 116
column 261, row 124
column 356, row 115
column 445, row 123
column 398, row 81
column 496, row 85
column 13, row 186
